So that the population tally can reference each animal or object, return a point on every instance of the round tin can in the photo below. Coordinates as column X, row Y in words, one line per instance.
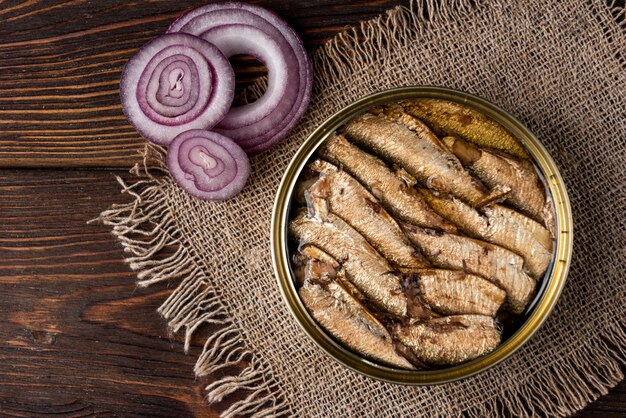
column 548, row 290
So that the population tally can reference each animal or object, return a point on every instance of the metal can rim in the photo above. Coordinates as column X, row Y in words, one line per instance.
column 554, row 284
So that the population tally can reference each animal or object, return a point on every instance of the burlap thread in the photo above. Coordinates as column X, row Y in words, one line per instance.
column 557, row 66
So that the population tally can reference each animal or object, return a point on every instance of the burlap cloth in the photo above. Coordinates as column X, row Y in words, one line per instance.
column 560, row 68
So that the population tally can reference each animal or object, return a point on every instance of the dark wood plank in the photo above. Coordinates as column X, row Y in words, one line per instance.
column 77, row 337
column 60, row 63
column 612, row 405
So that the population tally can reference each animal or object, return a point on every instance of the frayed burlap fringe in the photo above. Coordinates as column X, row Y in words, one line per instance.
column 562, row 389
column 144, row 229
column 147, row 227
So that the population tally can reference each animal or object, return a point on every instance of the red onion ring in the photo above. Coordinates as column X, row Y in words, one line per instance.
column 207, row 165
column 236, row 39
column 262, row 133
column 175, row 83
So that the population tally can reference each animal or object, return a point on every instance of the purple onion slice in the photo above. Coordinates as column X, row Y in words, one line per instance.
column 276, row 125
column 175, row 83
column 236, row 39
column 207, row 165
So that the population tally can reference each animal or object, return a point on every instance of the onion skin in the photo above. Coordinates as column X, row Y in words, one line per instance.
column 207, row 165
column 261, row 134
column 175, row 83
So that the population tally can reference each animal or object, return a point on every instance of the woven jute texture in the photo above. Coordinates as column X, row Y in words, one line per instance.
column 557, row 66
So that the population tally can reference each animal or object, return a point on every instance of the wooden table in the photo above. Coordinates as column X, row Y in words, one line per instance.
column 77, row 337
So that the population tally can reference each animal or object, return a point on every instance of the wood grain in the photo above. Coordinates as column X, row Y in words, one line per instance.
column 60, row 63
column 77, row 336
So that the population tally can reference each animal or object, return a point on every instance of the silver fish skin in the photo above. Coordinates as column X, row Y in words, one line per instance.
column 450, row 340
column 310, row 261
column 311, row 252
column 496, row 264
column 418, row 151
column 501, row 226
column 349, row 200
column 394, row 193
column 364, row 266
column 321, row 267
column 456, row 119
column 301, row 189
column 525, row 190
column 451, row 292
column 350, row 322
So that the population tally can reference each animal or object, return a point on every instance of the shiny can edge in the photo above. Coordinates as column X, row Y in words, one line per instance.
column 551, row 292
